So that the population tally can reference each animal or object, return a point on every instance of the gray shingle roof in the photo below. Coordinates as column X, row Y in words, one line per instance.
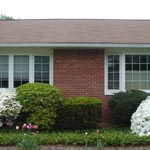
column 75, row 31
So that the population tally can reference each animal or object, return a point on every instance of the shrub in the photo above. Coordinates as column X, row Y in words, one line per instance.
column 9, row 107
column 40, row 103
column 79, row 112
column 124, row 104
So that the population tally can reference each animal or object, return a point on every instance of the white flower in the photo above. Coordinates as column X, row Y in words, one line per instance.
column 140, row 120
column 9, row 107
column 17, row 127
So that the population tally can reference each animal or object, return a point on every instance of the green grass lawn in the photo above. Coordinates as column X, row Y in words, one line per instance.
column 108, row 136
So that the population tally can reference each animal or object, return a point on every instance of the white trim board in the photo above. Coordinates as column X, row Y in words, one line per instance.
column 81, row 45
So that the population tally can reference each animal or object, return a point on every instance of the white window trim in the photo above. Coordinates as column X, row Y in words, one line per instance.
column 121, row 52
column 11, row 52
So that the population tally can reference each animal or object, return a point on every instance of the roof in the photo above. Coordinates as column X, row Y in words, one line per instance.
column 75, row 31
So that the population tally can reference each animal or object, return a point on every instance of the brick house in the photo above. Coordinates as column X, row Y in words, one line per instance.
column 82, row 57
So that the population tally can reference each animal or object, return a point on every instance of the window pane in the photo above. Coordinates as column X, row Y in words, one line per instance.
column 135, row 85
column 128, row 75
column 4, row 71
column 45, row 76
column 110, row 76
column 143, row 59
column 137, row 71
column 136, row 67
column 128, row 58
column 116, row 59
column 113, row 72
column 21, row 70
column 116, row 68
column 37, row 76
column 136, row 75
column 45, row 67
column 5, row 59
column 143, row 75
column 116, row 85
column 128, row 85
column 45, row 59
column 17, row 67
column 110, row 59
column 143, row 85
column 41, row 69
column 110, row 67
column 38, row 67
column 116, row 76
column 25, row 67
column 25, row 59
column 143, row 66
column 128, row 66
column 38, row 59
column 135, row 59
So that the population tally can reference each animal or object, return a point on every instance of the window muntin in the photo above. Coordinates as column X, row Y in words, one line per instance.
column 113, row 72
column 137, row 72
column 41, row 69
column 21, row 70
column 4, row 63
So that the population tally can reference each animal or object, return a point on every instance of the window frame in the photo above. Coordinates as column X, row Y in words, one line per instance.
column 122, row 52
column 31, row 52
column 8, row 69
column 50, row 68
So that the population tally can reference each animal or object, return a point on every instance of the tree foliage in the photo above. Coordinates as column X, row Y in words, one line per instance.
column 4, row 17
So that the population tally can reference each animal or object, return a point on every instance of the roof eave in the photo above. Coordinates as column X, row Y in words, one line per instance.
column 81, row 45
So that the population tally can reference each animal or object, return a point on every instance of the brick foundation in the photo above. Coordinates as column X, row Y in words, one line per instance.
column 81, row 73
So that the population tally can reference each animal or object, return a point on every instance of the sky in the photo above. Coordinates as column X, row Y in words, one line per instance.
column 76, row 9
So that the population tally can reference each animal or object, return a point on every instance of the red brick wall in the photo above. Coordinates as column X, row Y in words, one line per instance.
column 81, row 73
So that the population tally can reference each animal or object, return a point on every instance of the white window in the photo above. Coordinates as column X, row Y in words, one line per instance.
column 23, row 65
column 127, row 69
column 137, row 72
column 4, row 71
column 113, row 72
column 21, row 70
column 41, row 69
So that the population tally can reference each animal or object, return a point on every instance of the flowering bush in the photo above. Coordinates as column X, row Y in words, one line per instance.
column 9, row 107
column 140, row 120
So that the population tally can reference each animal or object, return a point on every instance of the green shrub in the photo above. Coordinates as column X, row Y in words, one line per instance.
column 79, row 112
column 108, row 137
column 40, row 102
column 124, row 104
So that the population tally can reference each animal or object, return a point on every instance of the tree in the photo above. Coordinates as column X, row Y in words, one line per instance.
column 4, row 17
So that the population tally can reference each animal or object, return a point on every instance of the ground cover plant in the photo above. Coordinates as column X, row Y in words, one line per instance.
column 108, row 137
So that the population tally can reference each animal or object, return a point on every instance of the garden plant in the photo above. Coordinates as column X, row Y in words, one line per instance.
column 9, row 107
column 79, row 112
column 40, row 102
column 123, row 105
